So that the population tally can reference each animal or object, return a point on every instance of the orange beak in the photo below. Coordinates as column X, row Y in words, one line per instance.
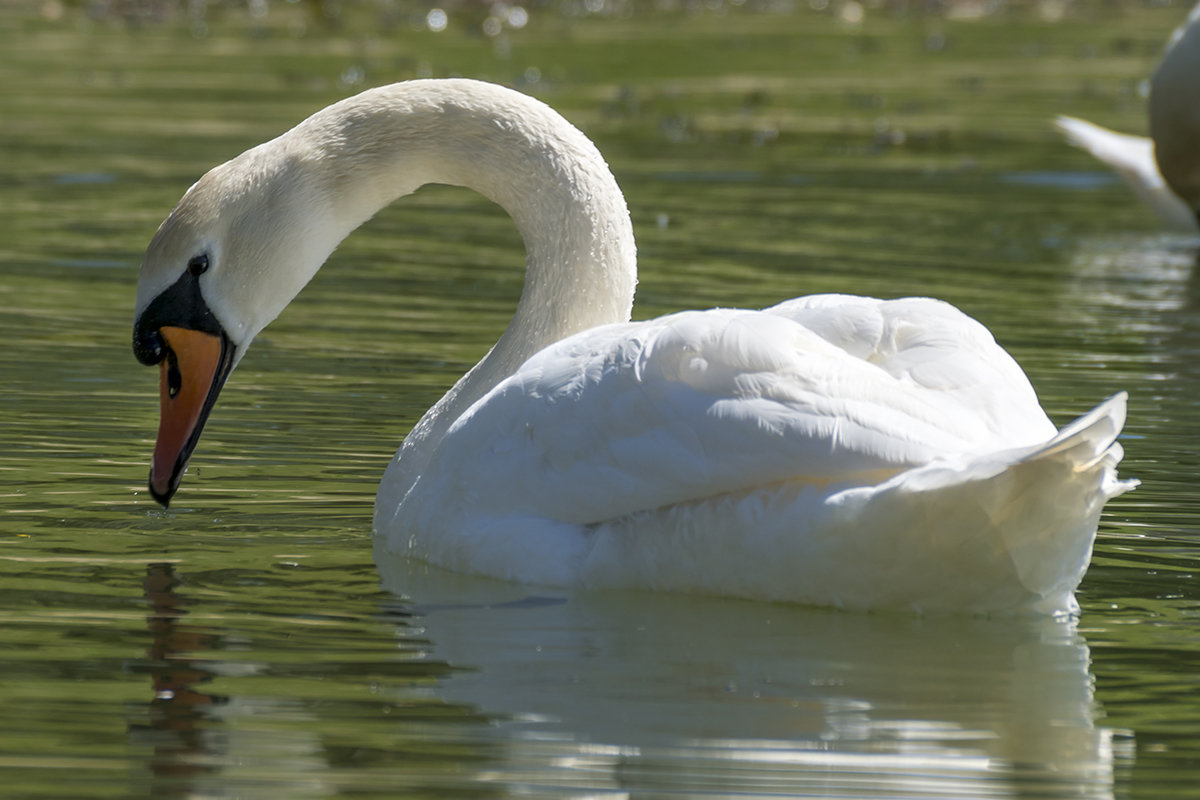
column 190, row 377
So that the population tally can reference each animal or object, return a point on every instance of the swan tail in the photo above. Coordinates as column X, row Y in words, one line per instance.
column 1001, row 533
column 1089, row 445
column 1007, row 532
column 1027, row 518
column 1131, row 157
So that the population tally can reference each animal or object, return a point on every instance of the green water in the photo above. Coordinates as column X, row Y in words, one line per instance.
column 245, row 644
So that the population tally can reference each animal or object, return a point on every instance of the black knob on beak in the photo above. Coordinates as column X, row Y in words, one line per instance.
column 180, row 305
column 149, row 347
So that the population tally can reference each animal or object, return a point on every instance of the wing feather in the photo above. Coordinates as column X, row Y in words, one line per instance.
column 829, row 390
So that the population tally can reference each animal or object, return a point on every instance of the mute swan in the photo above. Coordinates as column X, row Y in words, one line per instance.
column 1164, row 169
column 831, row 450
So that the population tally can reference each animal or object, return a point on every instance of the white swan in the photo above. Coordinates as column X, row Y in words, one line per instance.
column 1163, row 169
column 832, row 449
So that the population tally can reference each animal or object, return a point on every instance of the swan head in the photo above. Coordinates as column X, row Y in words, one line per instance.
column 248, row 236
column 232, row 254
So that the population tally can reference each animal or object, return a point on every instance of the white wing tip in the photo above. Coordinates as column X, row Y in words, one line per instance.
column 1092, row 437
column 1076, row 129
column 1133, row 158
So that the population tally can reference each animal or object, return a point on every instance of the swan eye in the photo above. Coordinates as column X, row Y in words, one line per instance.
column 198, row 265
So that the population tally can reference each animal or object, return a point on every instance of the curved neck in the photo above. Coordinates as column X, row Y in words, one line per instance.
column 581, row 270
column 385, row 143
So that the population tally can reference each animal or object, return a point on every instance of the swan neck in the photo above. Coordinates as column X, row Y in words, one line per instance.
column 580, row 269
column 517, row 152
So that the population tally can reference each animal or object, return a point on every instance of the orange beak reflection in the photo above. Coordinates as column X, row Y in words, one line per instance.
column 190, row 377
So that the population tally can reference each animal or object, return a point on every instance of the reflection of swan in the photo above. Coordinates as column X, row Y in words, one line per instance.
column 639, row 694
column 1164, row 170
column 831, row 449
column 209, row 745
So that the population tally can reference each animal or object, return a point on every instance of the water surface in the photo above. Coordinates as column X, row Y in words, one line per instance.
column 246, row 644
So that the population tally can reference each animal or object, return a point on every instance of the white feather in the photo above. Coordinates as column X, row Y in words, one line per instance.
column 831, row 449
column 1132, row 157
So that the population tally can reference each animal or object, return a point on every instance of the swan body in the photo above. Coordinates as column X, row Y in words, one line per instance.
column 1163, row 170
column 1175, row 112
column 832, row 449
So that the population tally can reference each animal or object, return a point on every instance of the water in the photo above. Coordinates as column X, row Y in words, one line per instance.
column 246, row 644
